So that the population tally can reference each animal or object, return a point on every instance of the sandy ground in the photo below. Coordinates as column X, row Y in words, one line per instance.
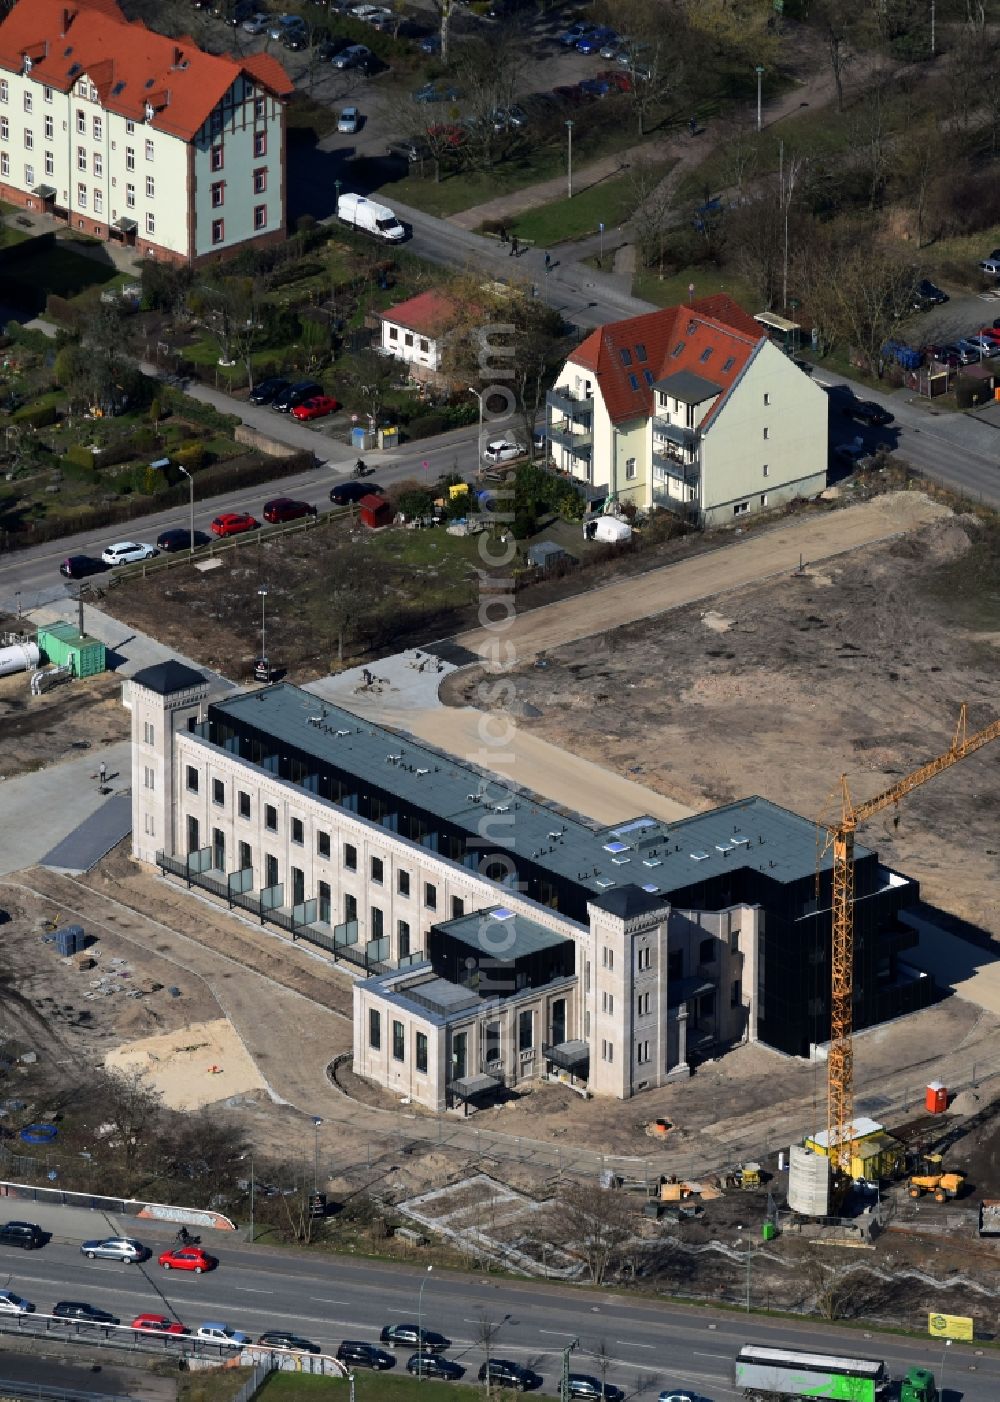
column 62, row 724
column 194, row 1066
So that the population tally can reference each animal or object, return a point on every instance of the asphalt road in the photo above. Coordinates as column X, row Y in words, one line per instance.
column 650, row 1345
column 34, row 573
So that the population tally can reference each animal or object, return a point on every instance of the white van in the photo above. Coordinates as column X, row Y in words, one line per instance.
column 377, row 219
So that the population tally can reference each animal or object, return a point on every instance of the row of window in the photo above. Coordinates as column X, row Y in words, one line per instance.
column 408, row 339
column 491, row 1038
column 218, row 188
column 217, row 158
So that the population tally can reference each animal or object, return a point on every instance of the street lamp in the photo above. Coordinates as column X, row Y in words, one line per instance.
column 569, row 159
column 336, row 186
column 479, row 440
column 420, row 1332
column 191, row 520
column 760, row 75
column 749, row 1245
column 316, row 1124
column 262, row 593
column 944, row 1355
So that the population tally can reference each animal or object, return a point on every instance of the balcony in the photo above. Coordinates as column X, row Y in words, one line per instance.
column 581, row 445
column 688, row 438
column 571, row 405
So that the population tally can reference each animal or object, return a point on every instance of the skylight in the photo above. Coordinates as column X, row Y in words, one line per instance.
column 677, row 349
column 633, row 382
column 501, row 913
column 616, row 846
column 648, row 377
column 626, row 355
column 729, row 364
column 640, row 351
column 706, row 354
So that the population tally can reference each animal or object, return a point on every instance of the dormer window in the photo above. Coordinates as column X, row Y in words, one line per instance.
column 27, row 63
column 149, row 112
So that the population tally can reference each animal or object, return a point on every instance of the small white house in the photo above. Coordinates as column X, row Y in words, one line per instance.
column 415, row 331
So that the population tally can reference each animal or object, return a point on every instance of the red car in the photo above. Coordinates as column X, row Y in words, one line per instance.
column 286, row 509
column 187, row 1258
column 233, row 523
column 159, row 1324
column 316, row 408
column 620, row 82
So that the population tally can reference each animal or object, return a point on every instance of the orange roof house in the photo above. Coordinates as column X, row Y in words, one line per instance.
column 691, row 409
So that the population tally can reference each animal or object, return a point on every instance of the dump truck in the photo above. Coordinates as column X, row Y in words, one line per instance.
column 932, row 1178
column 788, row 1375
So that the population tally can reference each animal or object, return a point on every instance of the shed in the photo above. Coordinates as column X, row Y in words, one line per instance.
column 374, row 511
column 546, row 554
column 65, row 647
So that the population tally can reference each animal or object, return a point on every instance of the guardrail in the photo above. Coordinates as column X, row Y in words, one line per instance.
column 48, row 1392
column 128, row 1340
column 126, row 1207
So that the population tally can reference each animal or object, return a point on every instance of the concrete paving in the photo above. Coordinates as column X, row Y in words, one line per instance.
column 38, row 810
column 94, row 838
column 973, row 973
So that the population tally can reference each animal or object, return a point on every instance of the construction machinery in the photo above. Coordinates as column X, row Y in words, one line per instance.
column 840, row 836
column 932, row 1178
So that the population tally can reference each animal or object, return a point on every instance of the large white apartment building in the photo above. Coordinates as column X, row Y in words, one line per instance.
column 691, row 409
column 493, row 937
column 127, row 134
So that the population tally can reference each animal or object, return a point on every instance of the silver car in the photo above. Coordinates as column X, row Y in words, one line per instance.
column 256, row 24
column 115, row 1248
column 14, row 1304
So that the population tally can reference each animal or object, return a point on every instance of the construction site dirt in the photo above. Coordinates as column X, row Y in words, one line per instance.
column 58, row 724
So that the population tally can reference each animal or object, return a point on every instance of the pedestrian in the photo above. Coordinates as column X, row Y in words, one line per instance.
column 693, row 126
column 548, row 262
column 103, row 771
column 503, row 233
column 513, row 246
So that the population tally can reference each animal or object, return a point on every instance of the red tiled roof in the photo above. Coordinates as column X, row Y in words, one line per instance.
column 711, row 337
column 429, row 313
column 128, row 63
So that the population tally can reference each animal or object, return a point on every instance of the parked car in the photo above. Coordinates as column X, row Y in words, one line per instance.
column 349, row 120
column 221, row 1334
column 316, row 407
column 115, row 1248
column 412, row 1336
column 990, row 265
column 612, row 48
column 80, row 566
column 987, row 344
column 354, row 56
column 241, row 12
column 28, row 1235
column 595, row 87
column 296, row 393
column 593, row 42
column 295, row 40
column 430, row 44
column 430, row 1365
column 362, row 1355
column 346, row 492
column 928, row 294
column 233, row 523
column 256, row 24
column 504, row 1373
column 284, row 24
column 851, row 454
column 280, row 509
column 570, row 93
column 943, row 354
column 187, row 1258
column 621, row 82
column 588, row 1389
column 127, row 552
column 868, row 412
column 82, row 1313
column 503, row 450
column 328, row 49
column 971, row 348
column 509, row 118
column 407, row 150
column 14, row 1304
column 281, row 1338
column 158, row 1324
column 177, row 538
column 434, row 92
column 572, row 36
column 269, row 389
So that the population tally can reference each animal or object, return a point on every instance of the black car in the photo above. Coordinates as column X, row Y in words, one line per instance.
column 28, row 1235
column 177, row 538
column 868, row 412
column 410, row 1336
column 506, row 1373
column 930, row 294
column 280, row 1338
column 79, row 566
column 295, row 394
column 269, row 389
column 429, row 1365
column 295, row 40
column 362, row 1355
column 584, row 1387
column 83, row 1314
column 346, row 492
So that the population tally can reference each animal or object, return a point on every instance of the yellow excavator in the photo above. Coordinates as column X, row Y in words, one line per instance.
column 932, row 1178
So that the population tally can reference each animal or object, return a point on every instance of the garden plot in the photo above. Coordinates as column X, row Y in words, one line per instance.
column 487, row 1218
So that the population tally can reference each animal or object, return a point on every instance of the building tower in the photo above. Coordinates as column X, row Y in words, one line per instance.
column 164, row 699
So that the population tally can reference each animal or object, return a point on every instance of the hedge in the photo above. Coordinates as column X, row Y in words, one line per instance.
column 190, row 455
column 80, row 456
column 37, row 415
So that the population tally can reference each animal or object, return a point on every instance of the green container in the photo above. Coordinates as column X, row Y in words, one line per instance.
column 768, row 1231
column 63, row 645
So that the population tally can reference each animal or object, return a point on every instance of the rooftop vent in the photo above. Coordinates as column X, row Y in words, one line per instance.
column 651, row 862
column 604, row 882
column 620, row 861
column 616, row 846
column 699, row 856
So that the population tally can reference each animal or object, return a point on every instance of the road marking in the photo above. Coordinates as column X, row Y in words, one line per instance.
column 627, row 1343
column 252, row 1290
column 322, row 1300
column 724, row 1356
column 562, row 1333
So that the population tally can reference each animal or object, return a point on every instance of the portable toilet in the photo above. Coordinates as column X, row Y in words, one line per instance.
column 936, row 1099
column 64, row 646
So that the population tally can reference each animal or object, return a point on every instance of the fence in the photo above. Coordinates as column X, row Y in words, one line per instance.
column 254, row 1383
column 99, row 1202
column 48, row 1392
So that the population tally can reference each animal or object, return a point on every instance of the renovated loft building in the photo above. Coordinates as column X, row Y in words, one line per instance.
column 691, row 409
column 128, row 135
column 494, row 937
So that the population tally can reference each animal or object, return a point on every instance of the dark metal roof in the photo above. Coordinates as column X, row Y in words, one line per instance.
column 167, row 677
column 628, row 901
column 688, row 387
column 501, row 933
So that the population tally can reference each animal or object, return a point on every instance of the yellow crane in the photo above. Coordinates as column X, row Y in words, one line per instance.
column 840, row 1066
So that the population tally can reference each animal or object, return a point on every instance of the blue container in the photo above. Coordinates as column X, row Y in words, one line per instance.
column 70, row 940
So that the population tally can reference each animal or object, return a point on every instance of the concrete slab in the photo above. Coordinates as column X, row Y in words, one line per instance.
column 973, row 973
column 40, row 809
column 101, row 830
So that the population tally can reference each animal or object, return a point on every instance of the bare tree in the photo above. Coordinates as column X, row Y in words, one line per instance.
column 132, row 1107
column 484, row 1333
column 652, row 205
column 858, row 292
column 834, row 20
column 594, row 1223
column 488, row 70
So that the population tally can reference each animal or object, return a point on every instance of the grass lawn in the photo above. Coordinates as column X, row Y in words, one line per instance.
column 674, row 287
column 609, row 201
column 58, row 268
column 378, row 1387
column 214, row 1384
